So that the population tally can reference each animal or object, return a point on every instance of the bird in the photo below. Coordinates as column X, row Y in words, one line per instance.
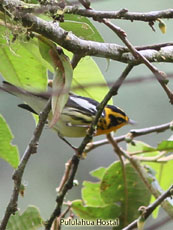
column 77, row 115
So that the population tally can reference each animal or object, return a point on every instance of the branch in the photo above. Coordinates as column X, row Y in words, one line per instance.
column 113, row 143
column 75, row 60
column 147, row 210
column 133, row 133
column 152, row 207
column 97, row 14
column 154, row 47
column 76, row 158
column 160, row 76
column 158, row 158
column 149, row 181
column 18, row 174
column 76, row 45
column 121, row 14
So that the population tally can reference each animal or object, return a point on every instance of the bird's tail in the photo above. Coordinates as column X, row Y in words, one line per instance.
column 12, row 89
column 35, row 102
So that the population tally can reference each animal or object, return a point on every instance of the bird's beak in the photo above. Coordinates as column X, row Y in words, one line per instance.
column 131, row 122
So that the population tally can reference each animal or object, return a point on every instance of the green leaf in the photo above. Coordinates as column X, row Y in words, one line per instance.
column 144, row 148
column 30, row 219
column 63, row 74
column 33, row 46
column 87, row 73
column 91, row 194
column 45, row 46
column 101, row 198
column 111, row 187
column 81, row 27
column 91, row 213
column 166, row 180
column 93, row 207
column 163, row 174
column 165, row 146
column 19, row 63
column 61, row 82
column 162, row 171
column 112, row 190
column 8, row 152
column 98, row 173
column 137, row 146
column 91, row 191
column 148, row 149
column 22, row 64
column 88, row 80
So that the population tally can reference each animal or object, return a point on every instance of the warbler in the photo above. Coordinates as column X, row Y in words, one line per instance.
column 77, row 114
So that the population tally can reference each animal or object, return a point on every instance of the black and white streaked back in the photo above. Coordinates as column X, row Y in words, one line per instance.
column 80, row 103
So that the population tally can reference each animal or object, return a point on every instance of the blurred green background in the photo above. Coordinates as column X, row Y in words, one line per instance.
column 146, row 103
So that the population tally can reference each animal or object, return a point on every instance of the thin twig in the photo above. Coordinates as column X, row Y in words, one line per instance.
column 113, row 91
column 152, row 207
column 75, row 60
column 160, row 76
column 121, row 14
column 57, row 224
column 85, row 3
column 154, row 159
column 160, row 198
column 60, row 197
column 76, row 157
column 146, row 178
column 49, row 93
column 111, row 140
column 154, row 46
column 18, row 174
column 133, row 133
column 65, row 177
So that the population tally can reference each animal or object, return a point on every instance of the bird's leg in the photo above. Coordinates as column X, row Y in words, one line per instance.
column 83, row 155
column 67, row 142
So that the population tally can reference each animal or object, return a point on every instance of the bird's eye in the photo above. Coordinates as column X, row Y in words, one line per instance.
column 120, row 120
